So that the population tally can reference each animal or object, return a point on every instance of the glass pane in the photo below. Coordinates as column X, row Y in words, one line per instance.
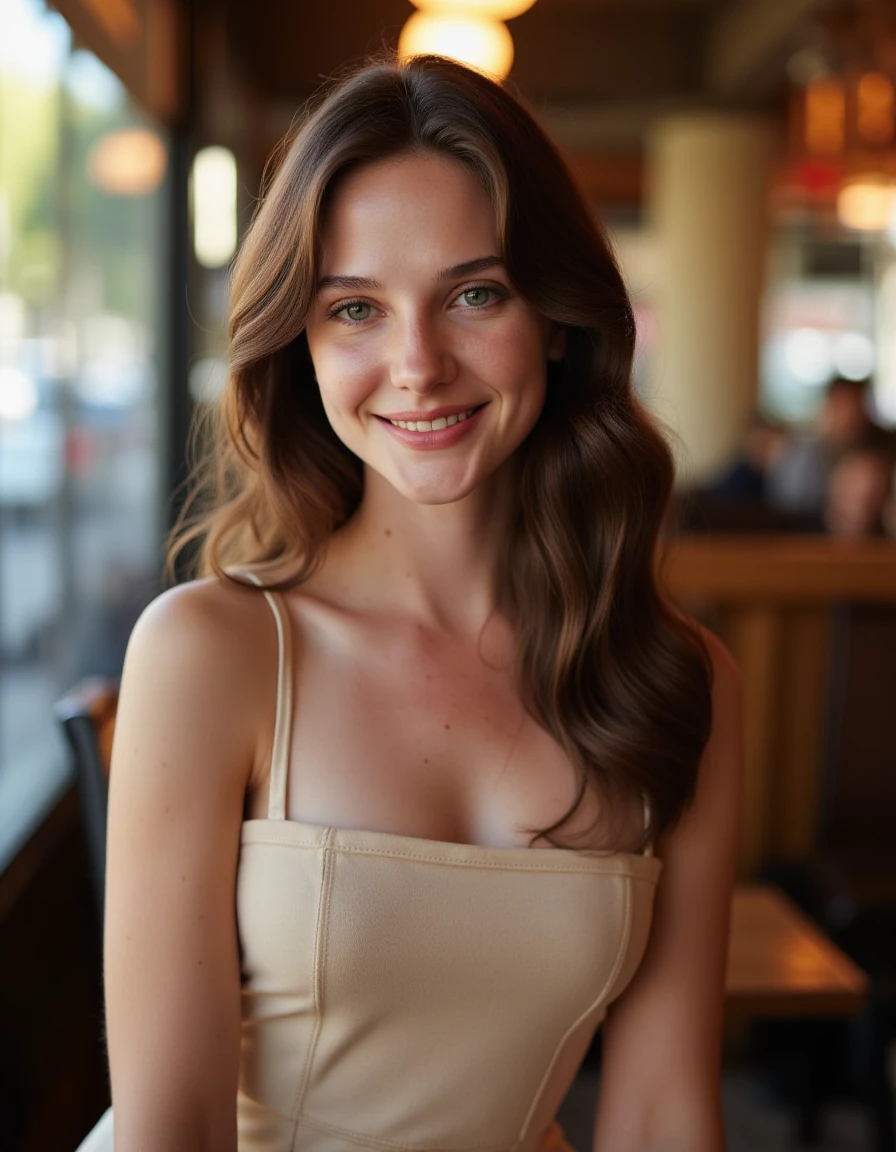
column 81, row 171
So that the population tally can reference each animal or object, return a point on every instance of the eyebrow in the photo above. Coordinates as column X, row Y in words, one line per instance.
column 367, row 284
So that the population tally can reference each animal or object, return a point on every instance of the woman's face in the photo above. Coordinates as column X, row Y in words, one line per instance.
column 415, row 318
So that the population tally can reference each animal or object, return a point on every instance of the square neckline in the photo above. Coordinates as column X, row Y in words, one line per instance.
column 441, row 845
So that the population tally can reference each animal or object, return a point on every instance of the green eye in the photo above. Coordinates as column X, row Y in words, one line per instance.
column 476, row 296
column 357, row 311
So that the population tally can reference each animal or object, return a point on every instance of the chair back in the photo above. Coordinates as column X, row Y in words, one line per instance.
column 87, row 715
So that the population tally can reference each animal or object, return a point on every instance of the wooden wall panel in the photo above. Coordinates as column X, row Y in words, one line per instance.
column 772, row 600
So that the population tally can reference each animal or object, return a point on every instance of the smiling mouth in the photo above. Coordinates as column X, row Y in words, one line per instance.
column 433, row 425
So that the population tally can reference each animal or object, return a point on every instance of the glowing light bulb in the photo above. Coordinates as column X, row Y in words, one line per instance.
column 489, row 9
column 130, row 162
column 213, row 193
column 866, row 203
column 474, row 40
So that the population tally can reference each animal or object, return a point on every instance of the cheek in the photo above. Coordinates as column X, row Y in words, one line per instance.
column 345, row 376
column 524, row 363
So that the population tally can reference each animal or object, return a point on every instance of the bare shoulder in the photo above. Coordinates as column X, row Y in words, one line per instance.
column 204, row 617
column 197, row 671
column 194, row 692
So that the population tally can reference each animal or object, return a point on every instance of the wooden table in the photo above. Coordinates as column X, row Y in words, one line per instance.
column 780, row 964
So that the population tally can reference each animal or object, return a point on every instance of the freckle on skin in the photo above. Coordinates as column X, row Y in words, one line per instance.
column 388, row 531
column 447, row 726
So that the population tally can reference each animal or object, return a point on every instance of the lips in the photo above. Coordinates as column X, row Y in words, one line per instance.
column 432, row 414
column 451, row 430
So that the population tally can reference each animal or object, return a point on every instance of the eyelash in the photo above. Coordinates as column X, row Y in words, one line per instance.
column 500, row 293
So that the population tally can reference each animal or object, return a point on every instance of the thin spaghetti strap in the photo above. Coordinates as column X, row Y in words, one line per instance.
column 283, row 716
column 648, row 847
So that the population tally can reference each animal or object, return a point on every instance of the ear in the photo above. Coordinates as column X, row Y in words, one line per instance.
column 556, row 341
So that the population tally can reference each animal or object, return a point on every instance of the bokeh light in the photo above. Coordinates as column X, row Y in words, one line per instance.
column 474, row 40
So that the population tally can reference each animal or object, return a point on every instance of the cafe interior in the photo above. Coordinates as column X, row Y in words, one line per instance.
column 741, row 155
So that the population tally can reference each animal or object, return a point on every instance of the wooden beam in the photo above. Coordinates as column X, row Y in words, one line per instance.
column 144, row 42
column 794, row 569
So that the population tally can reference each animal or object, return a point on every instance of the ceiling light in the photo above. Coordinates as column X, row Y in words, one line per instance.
column 866, row 203
column 489, row 9
column 484, row 44
column 825, row 117
column 130, row 162
column 213, row 196
column 875, row 107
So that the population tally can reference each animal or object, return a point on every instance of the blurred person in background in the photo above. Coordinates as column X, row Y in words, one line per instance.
column 745, row 479
column 859, row 494
column 800, row 472
column 735, row 501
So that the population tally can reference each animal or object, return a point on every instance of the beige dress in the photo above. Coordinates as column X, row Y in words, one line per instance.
column 410, row 995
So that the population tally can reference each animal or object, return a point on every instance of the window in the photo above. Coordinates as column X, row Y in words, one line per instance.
column 81, row 233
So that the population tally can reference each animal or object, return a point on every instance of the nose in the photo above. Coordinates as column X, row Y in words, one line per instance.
column 420, row 358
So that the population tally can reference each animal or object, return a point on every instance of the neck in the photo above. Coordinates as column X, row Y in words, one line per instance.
column 438, row 564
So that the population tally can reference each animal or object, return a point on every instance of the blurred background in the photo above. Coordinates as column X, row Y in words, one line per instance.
column 742, row 155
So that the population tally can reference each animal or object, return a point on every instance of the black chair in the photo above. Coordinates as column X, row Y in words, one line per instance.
column 87, row 716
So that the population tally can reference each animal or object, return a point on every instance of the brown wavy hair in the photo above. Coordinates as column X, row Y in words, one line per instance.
column 605, row 663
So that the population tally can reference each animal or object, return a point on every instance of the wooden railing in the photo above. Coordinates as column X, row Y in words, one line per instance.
column 770, row 599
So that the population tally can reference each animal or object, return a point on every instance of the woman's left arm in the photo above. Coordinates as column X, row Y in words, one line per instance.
column 661, row 1070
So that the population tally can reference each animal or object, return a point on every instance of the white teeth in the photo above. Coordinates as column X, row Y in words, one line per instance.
column 433, row 425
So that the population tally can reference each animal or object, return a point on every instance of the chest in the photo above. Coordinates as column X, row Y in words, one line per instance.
column 397, row 730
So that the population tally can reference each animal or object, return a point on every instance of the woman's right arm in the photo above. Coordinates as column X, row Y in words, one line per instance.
column 184, row 743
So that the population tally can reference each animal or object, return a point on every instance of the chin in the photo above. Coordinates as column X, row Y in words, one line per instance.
column 435, row 495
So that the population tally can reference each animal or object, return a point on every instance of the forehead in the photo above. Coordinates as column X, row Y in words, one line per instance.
column 417, row 208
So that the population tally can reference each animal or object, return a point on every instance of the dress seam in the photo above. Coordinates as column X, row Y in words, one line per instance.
column 616, row 868
column 600, row 1000
column 320, row 949
column 534, row 866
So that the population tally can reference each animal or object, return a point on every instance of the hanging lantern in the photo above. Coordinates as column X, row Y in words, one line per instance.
column 874, row 110
column 824, row 117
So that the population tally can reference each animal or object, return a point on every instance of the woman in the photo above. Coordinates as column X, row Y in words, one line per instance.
column 379, row 866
